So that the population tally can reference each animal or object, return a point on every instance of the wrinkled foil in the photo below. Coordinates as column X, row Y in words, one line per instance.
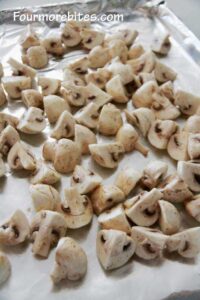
column 138, row 279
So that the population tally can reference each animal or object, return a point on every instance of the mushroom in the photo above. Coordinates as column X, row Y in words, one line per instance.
column 88, row 116
column 142, row 118
column 115, row 88
column 47, row 227
column 33, row 98
column 105, row 197
column 115, row 218
column 15, row 230
column 53, row 44
column 96, row 95
column 143, row 97
column 45, row 174
column 118, row 48
column 3, row 98
column 161, row 44
column 29, row 38
column 5, row 268
column 193, row 207
column 85, row 180
column 135, row 51
column 127, row 179
column 154, row 173
column 20, row 157
column 174, row 189
column 54, row 106
column 44, row 196
column 149, row 242
column 189, row 171
column 8, row 137
column 163, row 73
column 64, row 127
column 2, row 167
column 114, row 248
column 91, row 38
column 110, row 120
column 186, row 243
column 177, row 146
column 169, row 219
column 194, row 145
column 98, row 57
column 187, row 102
column 50, row 86
column 20, row 69
column 116, row 67
column 143, row 208
column 14, row 85
column 76, row 208
column 160, row 133
column 107, row 155
column 65, row 154
column 80, row 66
column 33, row 121
column 127, row 35
column 167, row 89
column 71, row 33
column 36, row 57
column 99, row 77
column 163, row 108
column 144, row 63
column 7, row 119
column 71, row 77
column 70, row 261
column 192, row 124
column 144, row 77
column 74, row 94
column 83, row 137
column 129, row 138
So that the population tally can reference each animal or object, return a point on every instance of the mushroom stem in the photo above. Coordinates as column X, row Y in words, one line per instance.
column 141, row 148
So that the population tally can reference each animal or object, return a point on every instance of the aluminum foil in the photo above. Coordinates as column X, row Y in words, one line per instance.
column 138, row 279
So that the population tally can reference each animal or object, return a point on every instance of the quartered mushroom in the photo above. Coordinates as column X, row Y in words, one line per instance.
column 135, row 51
column 36, row 57
column 115, row 88
column 118, row 48
column 110, row 120
column 105, row 197
column 44, row 196
column 91, row 38
column 54, row 106
column 186, row 243
column 7, row 119
column 149, row 242
column 154, row 173
column 107, row 155
column 15, row 230
column 5, row 268
column 88, row 116
column 163, row 73
column 177, row 147
column 169, row 219
column 116, row 67
column 96, row 95
column 76, row 208
column 163, row 108
column 80, row 66
column 74, row 94
column 8, row 137
column 143, row 97
column 187, row 102
column 83, row 137
column 71, row 77
column 193, row 207
column 65, row 126
column 14, row 85
column 85, row 180
column 47, row 227
column 99, row 57
column 144, row 63
column 2, row 167
column 192, row 124
column 167, row 89
column 127, row 179
column 53, row 44
column 144, row 77
column 143, row 208
column 98, row 77
column 114, row 248
column 21, row 158
column 70, row 261
column 129, row 138
column 194, row 146
column 189, row 171
column 160, row 133
column 71, row 33
column 44, row 174
column 20, row 69
column 33, row 121
column 29, row 38
column 3, row 98
column 50, row 86
column 161, row 44
column 114, row 218
column 33, row 98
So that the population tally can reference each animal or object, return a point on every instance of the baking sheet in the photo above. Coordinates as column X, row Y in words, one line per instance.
column 138, row 279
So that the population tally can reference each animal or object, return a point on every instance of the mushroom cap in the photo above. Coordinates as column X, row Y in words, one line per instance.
column 37, row 57
column 118, row 48
column 88, row 116
column 127, row 179
column 192, row 124
column 33, row 98
column 189, row 171
column 45, row 174
column 110, row 120
column 84, row 137
column 98, row 77
column 5, row 268
column 74, row 94
column 154, row 173
column 33, row 121
column 98, row 56
column 53, row 44
column 144, row 63
column 194, row 145
column 64, row 127
column 7, row 119
column 71, row 33
column 91, row 38
column 163, row 73
column 50, row 86
column 187, row 102
column 115, row 88
column 8, row 137
column 169, row 219
column 54, row 106
column 127, row 136
column 116, row 67
column 193, row 207
column 177, row 146
column 143, row 97
column 14, row 85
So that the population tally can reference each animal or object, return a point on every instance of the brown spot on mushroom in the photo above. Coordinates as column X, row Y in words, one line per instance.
column 186, row 246
column 65, row 209
column 148, row 247
column 103, row 239
column 157, row 128
column 91, row 97
column 126, row 247
column 16, row 231
column 176, row 141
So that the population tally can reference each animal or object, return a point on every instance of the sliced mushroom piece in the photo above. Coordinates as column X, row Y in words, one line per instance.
column 144, row 63
column 115, row 88
column 194, row 145
column 70, row 261
column 107, row 155
column 8, row 137
column 14, row 85
column 142, row 118
column 167, row 89
column 144, row 77
column 192, row 124
column 96, row 95
column 143, row 97
column 7, row 119
column 154, row 173
column 71, row 77
column 143, row 208
column 54, row 106
column 187, row 102
column 127, row 179
column 135, row 51
column 20, row 157
column 5, row 268
column 53, row 44
column 33, row 98
column 91, row 38
column 160, row 133
column 76, row 208
column 83, row 137
column 2, row 167
column 105, row 197
column 98, row 57
column 99, row 77
column 33, row 121
column 20, row 69
column 50, row 86
column 163, row 73
column 161, row 44
column 15, row 230
column 149, row 242
column 45, row 174
column 193, row 207
column 88, row 116
column 36, row 57
column 47, row 227
column 129, row 138
column 74, row 94
column 189, row 171
column 3, row 98
column 177, row 146
column 118, row 48
column 126, row 35
column 116, row 67
column 110, row 120
column 85, row 180
column 174, row 189
column 80, row 66
column 45, row 197
column 71, row 33
column 115, row 218
column 29, row 38
column 64, row 127
column 163, row 108
column 114, row 248
column 186, row 243
column 169, row 219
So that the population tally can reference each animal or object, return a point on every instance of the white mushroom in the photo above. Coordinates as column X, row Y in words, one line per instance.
column 127, row 179
column 21, row 69
column 96, row 95
column 14, row 230
column 45, row 174
column 163, row 73
column 144, row 77
column 33, row 121
column 36, row 57
column 2, row 167
column 8, row 137
column 163, row 108
column 54, row 106
column 14, row 85
column 105, row 197
column 189, row 171
column 118, row 48
column 91, row 38
column 161, row 44
column 127, row 35
column 71, row 77
column 135, row 51
column 3, row 98
column 116, row 67
column 5, row 268
column 53, row 44
column 144, row 63
column 98, row 57
column 143, row 208
column 114, row 248
column 70, row 261
column 29, row 38
column 187, row 102
column 107, row 155
column 50, row 86
column 7, row 119
column 193, row 207
column 74, row 94
column 80, row 66
column 64, row 127
column 98, row 77
column 192, row 124
column 154, row 173
column 169, row 219
column 115, row 88
column 194, row 145
column 167, row 89
column 83, row 137
column 177, row 146
column 47, row 227
column 71, row 33
column 110, row 120
column 88, row 116
column 143, row 97
column 33, row 98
